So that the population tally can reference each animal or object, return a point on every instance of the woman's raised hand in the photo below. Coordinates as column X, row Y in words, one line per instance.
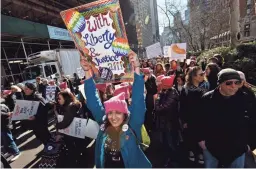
column 134, row 61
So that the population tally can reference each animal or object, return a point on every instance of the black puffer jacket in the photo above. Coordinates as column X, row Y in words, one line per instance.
column 224, row 125
column 167, row 108
column 190, row 104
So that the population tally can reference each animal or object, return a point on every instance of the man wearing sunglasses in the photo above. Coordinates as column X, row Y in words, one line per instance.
column 223, row 133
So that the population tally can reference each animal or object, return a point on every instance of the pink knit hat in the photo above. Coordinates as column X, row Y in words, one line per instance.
column 101, row 87
column 167, row 81
column 7, row 92
column 122, row 89
column 63, row 85
column 116, row 103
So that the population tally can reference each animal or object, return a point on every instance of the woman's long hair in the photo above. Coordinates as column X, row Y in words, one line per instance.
column 191, row 73
column 69, row 98
column 213, row 76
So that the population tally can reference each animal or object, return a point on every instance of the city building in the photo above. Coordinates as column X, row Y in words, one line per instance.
column 31, row 26
column 146, row 18
column 247, row 20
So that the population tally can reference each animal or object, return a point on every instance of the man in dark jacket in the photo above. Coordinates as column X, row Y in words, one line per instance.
column 6, row 134
column 223, row 131
column 39, row 122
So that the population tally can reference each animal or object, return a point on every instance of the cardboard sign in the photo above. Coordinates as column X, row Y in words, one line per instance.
column 177, row 51
column 24, row 109
column 80, row 128
column 98, row 31
column 50, row 93
column 153, row 50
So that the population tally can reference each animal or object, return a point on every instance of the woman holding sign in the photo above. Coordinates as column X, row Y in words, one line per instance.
column 117, row 144
column 69, row 108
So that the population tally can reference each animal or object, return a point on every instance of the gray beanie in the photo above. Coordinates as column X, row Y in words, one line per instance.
column 227, row 74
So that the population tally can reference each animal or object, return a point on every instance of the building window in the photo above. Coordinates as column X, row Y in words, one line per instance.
column 246, row 33
column 249, row 2
column 248, row 11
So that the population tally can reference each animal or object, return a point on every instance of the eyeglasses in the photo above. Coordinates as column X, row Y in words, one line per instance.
column 229, row 83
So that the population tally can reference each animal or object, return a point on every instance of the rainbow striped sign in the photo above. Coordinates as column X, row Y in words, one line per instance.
column 98, row 31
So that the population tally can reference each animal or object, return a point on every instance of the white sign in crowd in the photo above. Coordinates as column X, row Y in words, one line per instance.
column 175, row 51
column 24, row 109
column 80, row 128
column 154, row 50
column 50, row 93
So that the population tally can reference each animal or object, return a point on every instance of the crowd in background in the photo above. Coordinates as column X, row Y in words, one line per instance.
column 212, row 110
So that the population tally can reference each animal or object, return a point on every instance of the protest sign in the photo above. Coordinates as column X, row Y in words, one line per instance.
column 80, row 128
column 165, row 49
column 24, row 109
column 177, row 51
column 50, row 93
column 80, row 72
column 98, row 31
column 153, row 50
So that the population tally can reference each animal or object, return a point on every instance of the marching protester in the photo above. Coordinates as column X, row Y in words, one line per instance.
column 223, row 131
column 17, row 92
column 211, row 72
column 6, row 134
column 190, row 103
column 117, row 144
column 159, row 70
column 69, row 108
column 167, row 116
column 151, row 96
column 39, row 122
column 180, row 82
column 64, row 87
column 76, row 83
column 39, row 85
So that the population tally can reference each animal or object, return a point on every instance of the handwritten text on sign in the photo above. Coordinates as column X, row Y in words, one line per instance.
column 98, row 36
column 80, row 128
column 24, row 109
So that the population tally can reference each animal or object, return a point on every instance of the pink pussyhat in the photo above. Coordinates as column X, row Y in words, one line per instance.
column 116, row 103
column 7, row 92
column 101, row 87
column 63, row 85
column 122, row 89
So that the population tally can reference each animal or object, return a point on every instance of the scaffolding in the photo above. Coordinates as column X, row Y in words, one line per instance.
column 15, row 52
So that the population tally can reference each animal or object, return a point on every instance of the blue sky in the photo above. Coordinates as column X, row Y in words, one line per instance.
column 161, row 17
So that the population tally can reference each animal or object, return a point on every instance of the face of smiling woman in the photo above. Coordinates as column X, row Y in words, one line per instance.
column 116, row 118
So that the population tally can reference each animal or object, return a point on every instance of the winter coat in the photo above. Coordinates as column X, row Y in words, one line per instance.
column 6, row 123
column 190, row 104
column 132, row 154
column 151, row 88
column 224, row 125
column 69, row 112
column 167, row 107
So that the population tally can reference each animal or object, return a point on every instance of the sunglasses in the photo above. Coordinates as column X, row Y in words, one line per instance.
column 229, row 83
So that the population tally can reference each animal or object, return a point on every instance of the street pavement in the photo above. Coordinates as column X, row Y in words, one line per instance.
column 31, row 150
